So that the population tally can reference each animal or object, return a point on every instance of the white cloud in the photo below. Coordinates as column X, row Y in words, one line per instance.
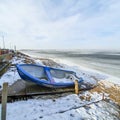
column 60, row 24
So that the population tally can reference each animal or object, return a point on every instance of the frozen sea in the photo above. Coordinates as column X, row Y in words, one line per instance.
column 104, row 61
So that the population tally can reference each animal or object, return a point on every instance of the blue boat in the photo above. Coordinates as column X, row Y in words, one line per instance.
column 47, row 76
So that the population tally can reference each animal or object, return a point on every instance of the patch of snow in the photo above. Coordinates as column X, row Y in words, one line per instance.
column 114, row 80
column 67, row 79
column 63, row 80
column 10, row 76
column 38, row 62
column 17, row 60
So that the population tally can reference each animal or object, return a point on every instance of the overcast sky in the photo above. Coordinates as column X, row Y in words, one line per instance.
column 60, row 24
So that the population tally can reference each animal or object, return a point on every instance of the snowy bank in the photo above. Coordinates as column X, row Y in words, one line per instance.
column 65, row 108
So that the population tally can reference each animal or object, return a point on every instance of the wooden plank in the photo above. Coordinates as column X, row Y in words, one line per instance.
column 76, row 87
column 4, row 101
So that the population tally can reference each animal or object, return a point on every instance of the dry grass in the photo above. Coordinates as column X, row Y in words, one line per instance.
column 109, row 88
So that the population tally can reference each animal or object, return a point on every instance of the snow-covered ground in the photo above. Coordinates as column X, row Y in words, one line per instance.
column 70, row 107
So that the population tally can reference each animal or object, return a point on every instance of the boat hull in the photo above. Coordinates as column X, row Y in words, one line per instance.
column 46, row 76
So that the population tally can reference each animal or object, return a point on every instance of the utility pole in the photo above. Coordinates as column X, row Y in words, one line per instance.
column 3, row 42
